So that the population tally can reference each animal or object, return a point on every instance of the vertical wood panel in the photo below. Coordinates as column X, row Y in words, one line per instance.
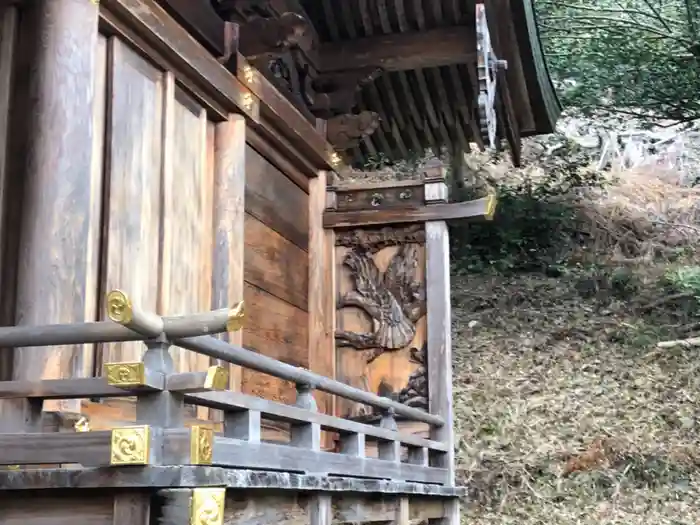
column 8, row 36
column 229, row 217
column 321, row 293
column 59, row 40
column 187, row 222
column 134, row 195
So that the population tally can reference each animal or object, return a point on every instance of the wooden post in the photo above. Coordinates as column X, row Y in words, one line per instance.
column 321, row 295
column 439, row 327
column 58, row 246
column 229, row 221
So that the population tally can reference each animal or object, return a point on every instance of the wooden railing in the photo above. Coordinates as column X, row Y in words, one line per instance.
column 160, row 437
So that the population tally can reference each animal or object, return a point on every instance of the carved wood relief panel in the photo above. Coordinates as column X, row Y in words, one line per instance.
column 380, row 333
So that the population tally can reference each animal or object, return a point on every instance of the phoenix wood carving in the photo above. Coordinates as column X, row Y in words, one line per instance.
column 394, row 300
column 415, row 393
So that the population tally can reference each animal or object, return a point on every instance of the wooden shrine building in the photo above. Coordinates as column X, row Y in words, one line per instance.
column 199, row 324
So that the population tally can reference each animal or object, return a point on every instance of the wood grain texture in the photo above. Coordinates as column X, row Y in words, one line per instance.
column 388, row 373
column 439, row 338
column 321, row 290
column 31, row 509
column 131, row 508
column 135, row 163
column 281, row 509
column 8, row 42
column 275, row 264
column 229, row 223
column 56, row 277
column 275, row 200
column 187, row 222
column 278, row 330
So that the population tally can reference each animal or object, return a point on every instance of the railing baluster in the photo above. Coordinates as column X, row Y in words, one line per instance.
column 244, row 425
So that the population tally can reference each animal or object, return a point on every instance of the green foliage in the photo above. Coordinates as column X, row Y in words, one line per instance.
column 634, row 57
column 684, row 279
column 535, row 225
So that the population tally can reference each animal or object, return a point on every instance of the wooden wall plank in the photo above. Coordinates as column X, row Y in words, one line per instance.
column 55, row 280
column 275, row 200
column 134, row 195
column 275, row 265
column 229, row 221
column 276, row 329
column 188, row 227
column 34, row 509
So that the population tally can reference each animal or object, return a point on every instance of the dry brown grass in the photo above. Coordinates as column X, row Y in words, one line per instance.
column 566, row 414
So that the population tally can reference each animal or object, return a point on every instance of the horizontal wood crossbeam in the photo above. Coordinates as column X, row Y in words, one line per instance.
column 289, row 414
column 206, row 476
column 477, row 209
column 402, row 51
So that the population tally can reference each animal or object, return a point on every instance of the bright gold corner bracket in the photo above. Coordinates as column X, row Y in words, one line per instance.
column 130, row 446
column 490, row 207
column 207, row 506
column 236, row 318
column 125, row 375
column 201, row 445
column 217, row 378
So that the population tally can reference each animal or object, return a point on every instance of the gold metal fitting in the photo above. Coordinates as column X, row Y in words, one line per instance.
column 119, row 307
column 201, row 445
column 217, row 378
column 130, row 446
column 207, row 507
column 236, row 318
column 82, row 425
column 126, row 375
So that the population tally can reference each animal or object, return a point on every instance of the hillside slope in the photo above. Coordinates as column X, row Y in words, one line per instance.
column 566, row 411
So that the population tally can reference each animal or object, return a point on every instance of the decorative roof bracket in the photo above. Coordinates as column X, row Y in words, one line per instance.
column 487, row 68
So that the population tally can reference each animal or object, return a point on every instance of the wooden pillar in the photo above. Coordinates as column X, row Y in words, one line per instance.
column 439, row 313
column 321, row 295
column 229, row 221
column 58, row 244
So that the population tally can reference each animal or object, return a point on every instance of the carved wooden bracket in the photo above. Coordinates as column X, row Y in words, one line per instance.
column 346, row 131
column 272, row 37
column 336, row 93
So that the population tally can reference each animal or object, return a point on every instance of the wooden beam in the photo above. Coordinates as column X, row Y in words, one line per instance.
column 401, row 52
column 478, row 209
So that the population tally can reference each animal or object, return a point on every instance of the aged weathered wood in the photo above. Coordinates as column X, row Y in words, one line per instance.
column 8, row 39
column 394, row 300
column 60, row 213
column 228, row 401
column 321, row 263
column 346, row 131
column 132, row 508
column 187, row 219
column 415, row 393
column 233, row 452
column 477, row 209
column 439, row 344
column 375, row 196
column 399, row 52
column 267, row 38
column 266, row 188
column 229, row 222
column 275, row 264
column 375, row 240
column 106, row 331
column 135, row 162
column 220, row 350
column 56, row 509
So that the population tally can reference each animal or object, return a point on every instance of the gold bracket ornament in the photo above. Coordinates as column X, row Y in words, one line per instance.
column 207, row 507
column 217, row 378
column 130, row 446
column 201, row 445
column 236, row 318
column 126, row 375
column 82, row 425
column 119, row 307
